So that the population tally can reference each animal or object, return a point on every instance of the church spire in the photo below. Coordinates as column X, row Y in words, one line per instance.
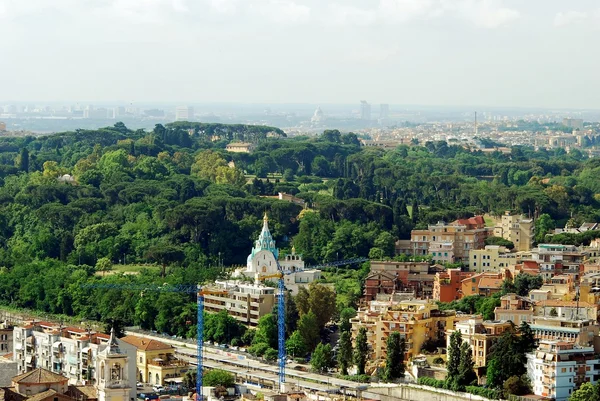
column 265, row 240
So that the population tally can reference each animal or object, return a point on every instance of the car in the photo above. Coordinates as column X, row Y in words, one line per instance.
column 158, row 388
column 139, row 385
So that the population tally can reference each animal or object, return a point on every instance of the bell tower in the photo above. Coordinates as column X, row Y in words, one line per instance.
column 112, row 366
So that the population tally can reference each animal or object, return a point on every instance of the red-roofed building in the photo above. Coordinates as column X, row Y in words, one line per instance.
column 450, row 242
column 447, row 286
column 484, row 284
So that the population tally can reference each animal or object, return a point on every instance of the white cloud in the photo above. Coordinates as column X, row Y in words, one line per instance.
column 223, row 6
column 569, row 17
column 483, row 13
column 282, row 11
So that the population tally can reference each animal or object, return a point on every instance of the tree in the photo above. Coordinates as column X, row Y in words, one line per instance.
column 291, row 315
column 466, row 374
column 23, row 164
column 344, row 356
column 345, row 315
column 587, row 392
column 517, row 385
column 266, row 331
column 394, row 360
column 295, row 345
column 453, row 361
column 543, row 225
column 361, row 351
column 321, row 302
column 309, row 330
column 218, row 377
column 103, row 264
column 302, row 301
column 415, row 212
column 499, row 241
column 321, row 359
column 165, row 254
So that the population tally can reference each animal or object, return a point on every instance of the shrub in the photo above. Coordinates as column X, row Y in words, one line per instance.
column 357, row 378
column 483, row 392
column 438, row 360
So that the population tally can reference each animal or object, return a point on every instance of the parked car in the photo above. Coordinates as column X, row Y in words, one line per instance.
column 139, row 385
column 158, row 388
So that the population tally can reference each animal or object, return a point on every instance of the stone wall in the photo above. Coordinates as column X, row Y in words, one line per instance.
column 413, row 392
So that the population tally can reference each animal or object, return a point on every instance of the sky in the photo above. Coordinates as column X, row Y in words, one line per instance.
column 513, row 53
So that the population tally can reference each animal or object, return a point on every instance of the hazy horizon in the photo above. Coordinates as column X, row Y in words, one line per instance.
column 419, row 53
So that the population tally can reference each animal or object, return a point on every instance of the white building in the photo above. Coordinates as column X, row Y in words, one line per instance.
column 184, row 113
column 264, row 259
column 556, row 368
column 69, row 351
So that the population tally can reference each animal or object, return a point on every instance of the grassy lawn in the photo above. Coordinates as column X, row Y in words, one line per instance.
column 489, row 222
column 128, row 269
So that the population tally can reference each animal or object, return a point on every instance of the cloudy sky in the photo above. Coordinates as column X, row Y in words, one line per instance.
column 430, row 52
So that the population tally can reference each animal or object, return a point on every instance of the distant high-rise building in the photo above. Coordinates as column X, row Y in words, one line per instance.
column 575, row 123
column 384, row 111
column 365, row 110
column 184, row 113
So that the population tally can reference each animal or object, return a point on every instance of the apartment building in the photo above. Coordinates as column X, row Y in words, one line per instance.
column 484, row 284
column 416, row 320
column 515, row 308
column 70, row 351
column 567, row 309
column 6, row 338
column 556, row 259
column 78, row 354
column 417, row 277
column 448, row 243
column 517, row 229
column 576, row 331
column 480, row 335
column 447, row 285
column 156, row 360
column 244, row 301
column 491, row 258
column 556, row 369
column 379, row 282
column 560, row 287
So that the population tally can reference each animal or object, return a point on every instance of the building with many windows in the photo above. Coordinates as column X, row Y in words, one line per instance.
column 491, row 258
column 417, row 321
column 556, row 369
column 449, row 243
column 69, row 351
column 480, row 335
column 156, row 360
column 517, row 229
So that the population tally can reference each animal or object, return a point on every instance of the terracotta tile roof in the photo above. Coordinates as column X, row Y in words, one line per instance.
column 76, row 330
column 39, row 376
column 49, row 394
column 145, row 344
column 490, row 282
column 559, row 302
column 90, row 392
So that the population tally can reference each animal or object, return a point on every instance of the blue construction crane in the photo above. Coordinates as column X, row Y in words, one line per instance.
column 200, row 292
column 184, row 288
column 281, row 355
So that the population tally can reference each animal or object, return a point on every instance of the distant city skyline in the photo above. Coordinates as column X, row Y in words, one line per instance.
column 491, row 53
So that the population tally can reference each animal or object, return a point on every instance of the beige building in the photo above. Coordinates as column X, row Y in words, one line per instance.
column 450, row 242
column 577, row 331
column 416, row 320
column 515, row 308
column 517, row 229
column 245, row 302
column 480, row 336
column 492, row 258
column 156, row 360
column 240, row 147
